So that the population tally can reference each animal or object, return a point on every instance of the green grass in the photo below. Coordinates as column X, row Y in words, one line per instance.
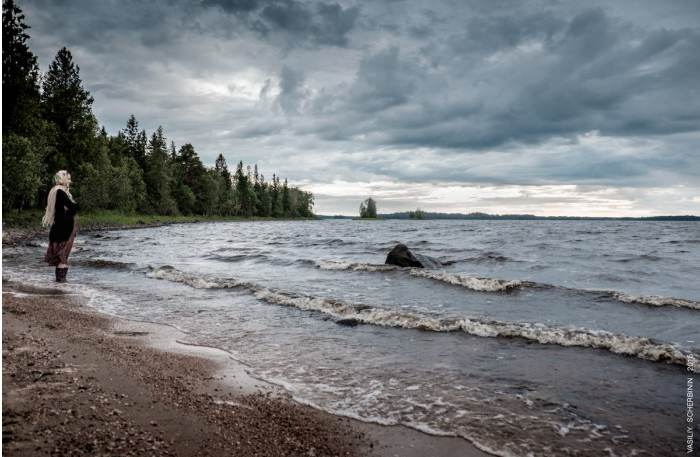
column 31, row 219
column 26, row 219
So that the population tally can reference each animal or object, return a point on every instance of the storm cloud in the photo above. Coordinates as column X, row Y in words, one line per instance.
column 346, row 98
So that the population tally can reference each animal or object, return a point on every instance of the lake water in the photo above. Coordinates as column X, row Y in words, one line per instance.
column 532, row 338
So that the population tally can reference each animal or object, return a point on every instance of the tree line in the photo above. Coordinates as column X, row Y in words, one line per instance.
column 48, row 125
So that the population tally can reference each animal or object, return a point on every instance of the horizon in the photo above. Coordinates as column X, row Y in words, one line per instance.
column 514, row 215
column 547, row 108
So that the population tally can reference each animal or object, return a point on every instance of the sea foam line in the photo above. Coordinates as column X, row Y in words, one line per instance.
column 476, row 284
column 500, row 285
column 330, row 265
column 644, row 348
column 655, row 301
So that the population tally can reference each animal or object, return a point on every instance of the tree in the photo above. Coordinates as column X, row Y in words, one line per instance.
column 368, row 209
column 158, row 176
column 23, row 168
column 67, row 107
column 245, row 193
column 417, row 214
column 221, row 168
column 135, row 141
column 20, row 75
column 93, row 190
column 286, row 200
column 276, row 196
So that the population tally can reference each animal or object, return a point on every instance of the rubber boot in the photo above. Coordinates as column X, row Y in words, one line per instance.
column 61, row 274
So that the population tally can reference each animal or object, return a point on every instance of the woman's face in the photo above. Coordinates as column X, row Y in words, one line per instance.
column 68, row 180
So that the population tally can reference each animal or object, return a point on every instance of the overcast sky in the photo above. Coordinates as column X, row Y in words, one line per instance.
column 542, row 107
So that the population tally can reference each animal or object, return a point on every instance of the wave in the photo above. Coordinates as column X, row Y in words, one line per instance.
column 331, row 265
column 239, row 257
column 198, row 282
column 643, row 258
column 476, row 284
column 653, row 300
column 500, row 285
column 635, row 346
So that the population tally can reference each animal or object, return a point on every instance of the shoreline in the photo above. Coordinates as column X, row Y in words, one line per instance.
column 77, row 381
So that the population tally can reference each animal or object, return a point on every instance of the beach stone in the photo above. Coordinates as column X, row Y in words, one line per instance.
column 402, row 256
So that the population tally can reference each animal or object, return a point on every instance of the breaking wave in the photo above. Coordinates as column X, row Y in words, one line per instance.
column 330, row 265
column 635, row 346
column 498, row 285
column 655, row 301
column 476, row 284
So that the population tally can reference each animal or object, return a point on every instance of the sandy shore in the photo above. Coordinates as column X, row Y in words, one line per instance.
column 76, row 382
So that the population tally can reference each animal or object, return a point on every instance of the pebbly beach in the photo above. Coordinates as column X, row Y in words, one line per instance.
column 80, row 382
column 229, row 338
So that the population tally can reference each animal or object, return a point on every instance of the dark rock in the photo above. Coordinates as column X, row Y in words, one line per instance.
column 347, row 322
column 402, row 256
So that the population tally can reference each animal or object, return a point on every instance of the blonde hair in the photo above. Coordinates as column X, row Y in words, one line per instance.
column 60, row 180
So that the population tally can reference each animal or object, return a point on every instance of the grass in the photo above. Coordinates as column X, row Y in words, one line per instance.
column 31, row 219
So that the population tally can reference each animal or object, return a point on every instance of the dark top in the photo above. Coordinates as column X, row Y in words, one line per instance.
column 63, row 220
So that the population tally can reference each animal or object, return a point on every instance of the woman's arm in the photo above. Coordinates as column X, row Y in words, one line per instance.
column 62, row 201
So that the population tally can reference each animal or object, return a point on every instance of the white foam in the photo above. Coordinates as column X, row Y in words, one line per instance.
column 563, row 336
column 330, row 265
column 477, row 284
column 615, row 343
column 656, row 301
column 171, row 274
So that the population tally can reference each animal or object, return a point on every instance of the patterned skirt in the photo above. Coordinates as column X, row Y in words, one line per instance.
column 58, row 252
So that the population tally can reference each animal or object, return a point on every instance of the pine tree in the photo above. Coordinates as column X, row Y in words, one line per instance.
column 158, row 176
column 247, row 200
column 371, row 208
column 286, row 200
column 221, row 167
column 20, row 75
column 368, row 209
column 135, row 141
column 67, row 106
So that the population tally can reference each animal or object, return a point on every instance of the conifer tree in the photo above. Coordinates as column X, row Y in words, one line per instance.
column 20, row 75
column 67, row 106
column 368, row 209
column 158, row 176
column 247, row 200
column 286, row 200
column 135, row 146
column 221, row 167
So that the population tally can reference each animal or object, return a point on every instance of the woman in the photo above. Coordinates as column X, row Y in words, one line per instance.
column 60, row 216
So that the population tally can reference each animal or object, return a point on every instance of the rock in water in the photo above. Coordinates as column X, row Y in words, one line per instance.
column 350, row 322
column 402, row 256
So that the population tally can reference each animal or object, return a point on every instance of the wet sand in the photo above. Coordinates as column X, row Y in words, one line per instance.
column 77, row 382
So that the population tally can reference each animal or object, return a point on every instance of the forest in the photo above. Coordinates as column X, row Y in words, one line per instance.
column 48, row 125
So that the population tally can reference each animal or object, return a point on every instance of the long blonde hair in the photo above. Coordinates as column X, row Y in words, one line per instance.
column 60, row 181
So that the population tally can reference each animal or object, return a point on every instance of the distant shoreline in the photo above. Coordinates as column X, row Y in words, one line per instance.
column 519, row 217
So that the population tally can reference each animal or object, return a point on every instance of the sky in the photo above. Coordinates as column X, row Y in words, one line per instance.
column 539, row 107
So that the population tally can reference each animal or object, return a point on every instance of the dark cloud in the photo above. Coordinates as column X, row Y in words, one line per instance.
column 320, row 23
column 233, row 6
column 526, row 79
column 293, row 93
column 528, row 93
